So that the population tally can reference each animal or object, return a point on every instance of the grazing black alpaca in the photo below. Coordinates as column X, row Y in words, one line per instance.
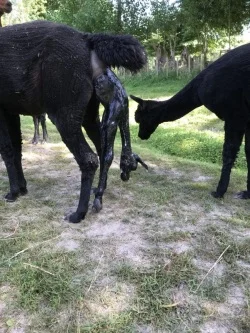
column 41, row 119
column 223, row 87
column 52, row 68
column 5, row 7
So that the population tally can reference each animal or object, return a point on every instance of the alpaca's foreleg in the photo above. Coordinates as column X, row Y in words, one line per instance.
column 246, row 194
column 69, row 126
column 44, row 127
column 36, row 130
column 10, row 141
column 233, row 140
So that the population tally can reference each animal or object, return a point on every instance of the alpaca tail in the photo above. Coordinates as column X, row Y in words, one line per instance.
column 118, row 51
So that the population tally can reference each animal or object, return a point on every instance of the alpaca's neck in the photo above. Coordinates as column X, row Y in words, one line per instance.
column 179, row 105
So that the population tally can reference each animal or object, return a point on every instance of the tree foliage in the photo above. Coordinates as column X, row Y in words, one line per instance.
column 208, row 20
column 163, row 26
column 26, row 10
column 120, row 16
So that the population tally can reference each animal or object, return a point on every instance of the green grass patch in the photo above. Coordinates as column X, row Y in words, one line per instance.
column 148, row 85
column 122, row 323
column 154, row 302
column 189, row 144
column 44, row 281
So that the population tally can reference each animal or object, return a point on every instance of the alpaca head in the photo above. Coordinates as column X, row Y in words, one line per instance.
column 145, row 117
column 5, row 7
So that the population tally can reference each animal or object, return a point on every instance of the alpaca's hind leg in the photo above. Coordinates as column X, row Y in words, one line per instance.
column 246, row 194
column 233, row 140
column 69, row 126
column 92, row 126
column 91, row 123
column 10, row 140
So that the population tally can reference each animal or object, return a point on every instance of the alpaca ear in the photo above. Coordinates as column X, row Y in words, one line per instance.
column 137, row 99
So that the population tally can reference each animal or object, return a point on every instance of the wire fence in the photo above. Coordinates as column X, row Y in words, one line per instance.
column 179, row 67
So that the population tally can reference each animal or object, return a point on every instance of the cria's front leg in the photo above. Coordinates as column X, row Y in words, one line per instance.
column 129, row 161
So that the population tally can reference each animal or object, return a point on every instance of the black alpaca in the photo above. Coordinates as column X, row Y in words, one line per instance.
column 223, row 87
column 41, row 119
column 52, row 68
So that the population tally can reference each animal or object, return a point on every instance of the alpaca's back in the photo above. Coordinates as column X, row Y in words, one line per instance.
column 224, row 86
column 30, row 50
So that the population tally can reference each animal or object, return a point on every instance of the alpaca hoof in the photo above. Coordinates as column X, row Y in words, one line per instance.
column 97, row 205
column 216, row 195
column 23, row 190
column 11, row 197
column 243, row 195
column 75, row 217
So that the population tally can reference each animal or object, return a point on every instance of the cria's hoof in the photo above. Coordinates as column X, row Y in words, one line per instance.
column 97, row 205
column 243, row 195
column 139, row 160
column 124, row 176
column 216, row 195
column 11, row 197
column 74, row 217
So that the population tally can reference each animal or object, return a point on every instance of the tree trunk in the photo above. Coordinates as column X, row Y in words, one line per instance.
column 172, row 55
column 119, row 16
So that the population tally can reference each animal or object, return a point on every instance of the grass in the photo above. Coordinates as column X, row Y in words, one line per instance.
column 144, row 263
column 149, row 85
